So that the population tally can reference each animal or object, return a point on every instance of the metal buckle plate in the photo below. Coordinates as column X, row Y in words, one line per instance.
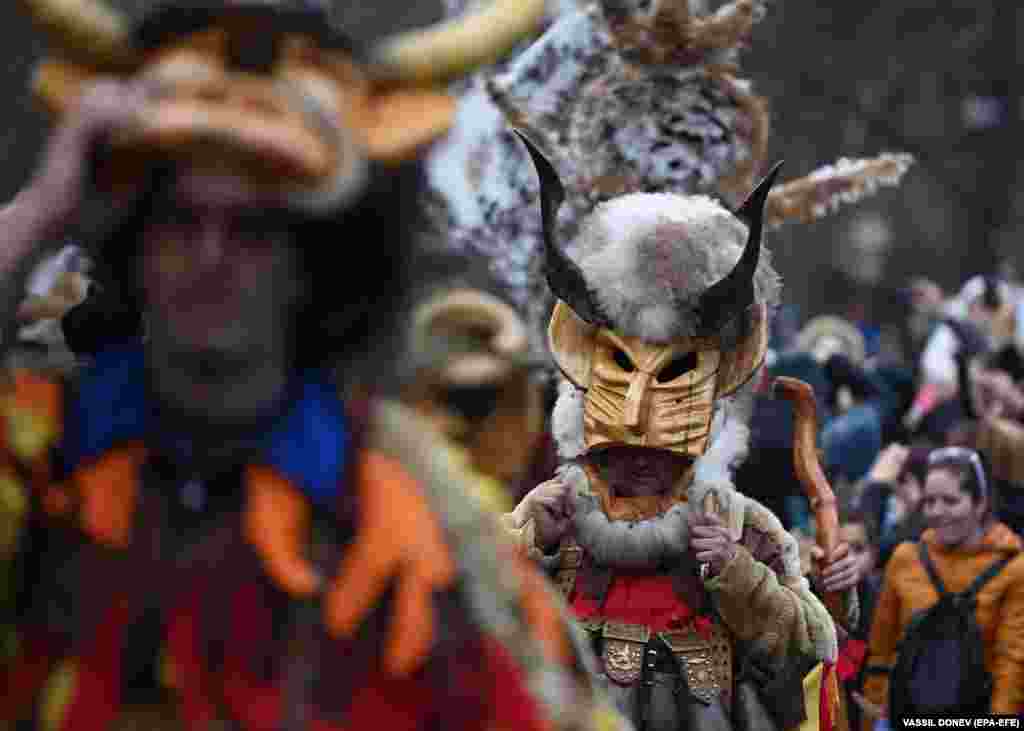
column 707, row 662
column 623, row 651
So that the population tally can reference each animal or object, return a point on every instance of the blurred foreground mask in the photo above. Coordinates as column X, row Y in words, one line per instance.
column 476, row 379
column 267, row 89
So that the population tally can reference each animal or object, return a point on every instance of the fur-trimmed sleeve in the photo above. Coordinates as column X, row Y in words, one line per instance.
column 519, row 527
column 763, row 597
column 521, row 533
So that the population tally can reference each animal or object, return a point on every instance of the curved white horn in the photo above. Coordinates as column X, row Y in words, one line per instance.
column 458, row 46
column 88, row 29
column 475, row 309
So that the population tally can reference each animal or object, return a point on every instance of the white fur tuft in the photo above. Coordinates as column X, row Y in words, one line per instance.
column 567, row 421
column 658, row 322
column 730, row 436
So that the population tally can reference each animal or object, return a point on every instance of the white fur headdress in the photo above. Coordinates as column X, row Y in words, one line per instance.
column 648, row 258
column 662, row 266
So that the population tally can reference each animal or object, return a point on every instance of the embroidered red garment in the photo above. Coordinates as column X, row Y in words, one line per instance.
column 646, row 599
column 490, row 677
column 96, row 698
column 703, row 625
column 851, row 657
column 195, row 687
column 22, row 679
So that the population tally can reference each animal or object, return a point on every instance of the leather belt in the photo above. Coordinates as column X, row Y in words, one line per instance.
column 627, row 651
column 707, row 661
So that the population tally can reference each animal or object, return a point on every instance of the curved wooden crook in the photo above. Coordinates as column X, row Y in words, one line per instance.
column 809, row 472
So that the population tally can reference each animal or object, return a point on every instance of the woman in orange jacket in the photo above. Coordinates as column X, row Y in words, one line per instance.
column 963, row 540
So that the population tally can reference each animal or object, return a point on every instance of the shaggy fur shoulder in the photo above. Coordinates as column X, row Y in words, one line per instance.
column 761, row 519
column 762, row 593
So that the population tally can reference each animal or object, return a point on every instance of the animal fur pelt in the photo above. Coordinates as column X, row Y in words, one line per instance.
column 648, row 257
column 622, row 96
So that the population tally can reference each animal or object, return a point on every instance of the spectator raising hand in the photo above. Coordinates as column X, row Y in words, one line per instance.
column 994, row 394
column 889, row 464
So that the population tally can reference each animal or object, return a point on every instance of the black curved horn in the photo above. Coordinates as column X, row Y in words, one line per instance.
column 734, row 293
column 563, row 274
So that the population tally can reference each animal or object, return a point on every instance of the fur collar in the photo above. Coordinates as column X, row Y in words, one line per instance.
column 646, row 544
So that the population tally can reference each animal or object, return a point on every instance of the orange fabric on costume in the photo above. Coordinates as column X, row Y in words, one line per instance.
column 398, row 539
column 542, row 613
column 276, row 524
column 107, row 492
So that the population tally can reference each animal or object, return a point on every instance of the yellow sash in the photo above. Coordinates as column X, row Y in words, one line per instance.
column 812, row 700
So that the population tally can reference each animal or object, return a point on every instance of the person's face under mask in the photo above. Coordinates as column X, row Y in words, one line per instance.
column 640, row 471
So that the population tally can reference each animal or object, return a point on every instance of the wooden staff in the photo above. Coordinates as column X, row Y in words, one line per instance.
column 808, row 471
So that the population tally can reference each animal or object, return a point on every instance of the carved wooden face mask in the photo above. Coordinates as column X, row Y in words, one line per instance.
column 651, row 395
column 640, row 392
column 475, row 379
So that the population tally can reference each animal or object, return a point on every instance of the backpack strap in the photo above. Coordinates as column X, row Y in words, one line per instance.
column 990, row 573
column 933, row 574
column 971, row 591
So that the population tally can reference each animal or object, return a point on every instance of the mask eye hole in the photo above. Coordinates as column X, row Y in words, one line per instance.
column 473, row 403
column 622, row 361
column 677, row 367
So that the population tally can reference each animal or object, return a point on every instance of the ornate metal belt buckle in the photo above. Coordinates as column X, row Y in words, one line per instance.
column 706, row 662
column 623, row 652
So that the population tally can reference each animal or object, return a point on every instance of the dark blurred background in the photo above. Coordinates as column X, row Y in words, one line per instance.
column 938, row 80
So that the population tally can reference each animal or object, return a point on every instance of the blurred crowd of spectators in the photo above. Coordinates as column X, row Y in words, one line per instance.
column 884, row 421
